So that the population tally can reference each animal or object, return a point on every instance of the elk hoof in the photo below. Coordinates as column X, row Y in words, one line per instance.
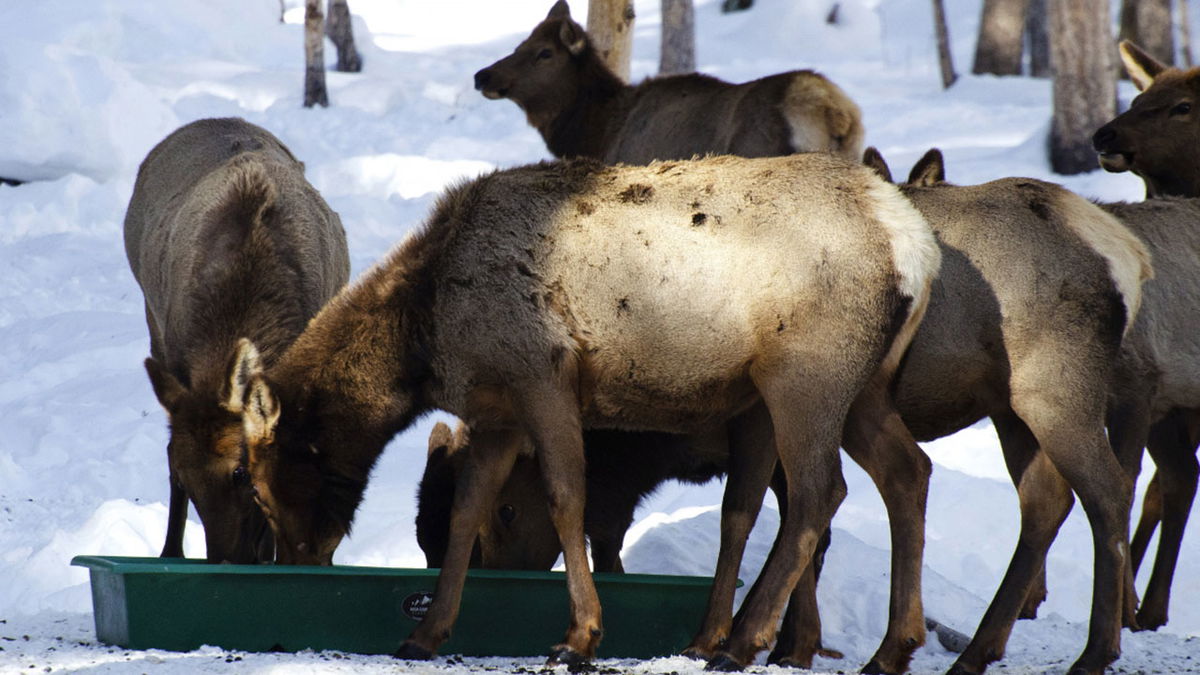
column 874, row 667
column 724, row 663
column 697, row 653
column 411, row 651
column 788, row 661
column 960, row 669
column 573, row 660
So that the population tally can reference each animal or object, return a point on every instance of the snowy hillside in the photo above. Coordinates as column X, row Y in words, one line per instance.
column 87, row 88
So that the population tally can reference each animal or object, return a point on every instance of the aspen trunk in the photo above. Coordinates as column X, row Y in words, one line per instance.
column 945, row 59
column 1001, row 29
column 339, row 30
column 1037, row 35
column 314, row 55
column 610, row 28
column 678, row 46
column 1085, row 88
column 1148, row 23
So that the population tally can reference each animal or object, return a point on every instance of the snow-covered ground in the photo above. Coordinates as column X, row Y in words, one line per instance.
column 86, row 88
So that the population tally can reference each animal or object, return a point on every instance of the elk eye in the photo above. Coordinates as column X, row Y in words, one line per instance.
column 1181, row 108
column 507, row 514
column 241, row 477
column 544, row 54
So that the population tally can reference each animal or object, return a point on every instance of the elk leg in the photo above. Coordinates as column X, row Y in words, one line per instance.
column 751, row 462
column 1019, row 446
column 488, row 465
column 877, row 440
column 800, row 633
column 176, row 522
column 1176, row 477
column 801, row 407
column 1152, row 507
column 1045, row 500
column 553, row 419
column 1129, row 432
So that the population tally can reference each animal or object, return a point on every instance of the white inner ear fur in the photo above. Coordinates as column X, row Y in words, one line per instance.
column 1141, row 72
column 246, row 365
column 261, row 413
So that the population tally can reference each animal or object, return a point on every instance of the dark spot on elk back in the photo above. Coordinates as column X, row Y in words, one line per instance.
column 585, row 208
column 637, row 194
column 698, row 219
column 623, row 306
column 1037, row 200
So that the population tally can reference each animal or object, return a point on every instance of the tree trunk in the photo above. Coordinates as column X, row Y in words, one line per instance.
column 1001, row 28
column 1085, row 88
column 678, row 52
column 340, row 32
column 945, row 59
column 610, row 27
column 1037, row 36
column 314, row 55
column 1185, row 34
column 1148, row 23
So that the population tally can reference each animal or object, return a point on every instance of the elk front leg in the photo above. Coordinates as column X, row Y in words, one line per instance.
column 487, row 467
column 553, row 420
column 176, row 522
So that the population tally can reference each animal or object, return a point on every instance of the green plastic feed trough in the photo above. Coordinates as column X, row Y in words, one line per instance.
column 178, row 604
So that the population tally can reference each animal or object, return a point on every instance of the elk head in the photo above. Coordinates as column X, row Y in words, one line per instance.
column 1157, row 137
column 204, row 455
column 543, row 70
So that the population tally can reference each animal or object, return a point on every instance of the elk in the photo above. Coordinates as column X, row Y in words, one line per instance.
column 539, row 301
column 582, row 109
column 1147, row 140
column 1047, row 283
column 226, row 239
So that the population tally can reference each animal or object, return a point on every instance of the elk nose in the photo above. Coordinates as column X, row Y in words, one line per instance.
column 481, row 79
column 1103, row 137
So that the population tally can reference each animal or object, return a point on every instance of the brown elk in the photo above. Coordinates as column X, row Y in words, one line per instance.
column 546, row 299
column 582, row 109
column 1151, row 139
column 1044, row 282
column 226, row 239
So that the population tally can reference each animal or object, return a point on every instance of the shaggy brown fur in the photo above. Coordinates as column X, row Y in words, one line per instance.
column 1155, row 137
column 530, row 319
column 582, row 109
column 1023, row 326
column 226, row 239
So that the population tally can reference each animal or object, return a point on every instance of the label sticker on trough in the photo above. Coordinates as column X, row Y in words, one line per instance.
column 416, row 605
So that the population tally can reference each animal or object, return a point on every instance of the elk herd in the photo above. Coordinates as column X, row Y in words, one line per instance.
column 713, row 280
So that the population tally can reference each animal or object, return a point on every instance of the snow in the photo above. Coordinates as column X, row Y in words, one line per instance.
column 86, row 89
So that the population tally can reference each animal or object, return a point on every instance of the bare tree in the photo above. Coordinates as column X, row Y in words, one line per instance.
column 1147, row 23
column 1185, row 33
column 1037, row 38
column 678, row 45
column 610, row 27
column 314, row 55
column 945, row 59
column 339, row 30
column 1001, row 28
column 1085, row 89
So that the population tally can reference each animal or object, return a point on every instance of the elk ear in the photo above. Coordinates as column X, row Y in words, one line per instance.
column 929, row 170
column 167, row 389
column 572, row 36
column 560, row 10
column 244, row 364
column 1142, row 67
column 873, row 160
column 260, row 414
column 441, row 438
